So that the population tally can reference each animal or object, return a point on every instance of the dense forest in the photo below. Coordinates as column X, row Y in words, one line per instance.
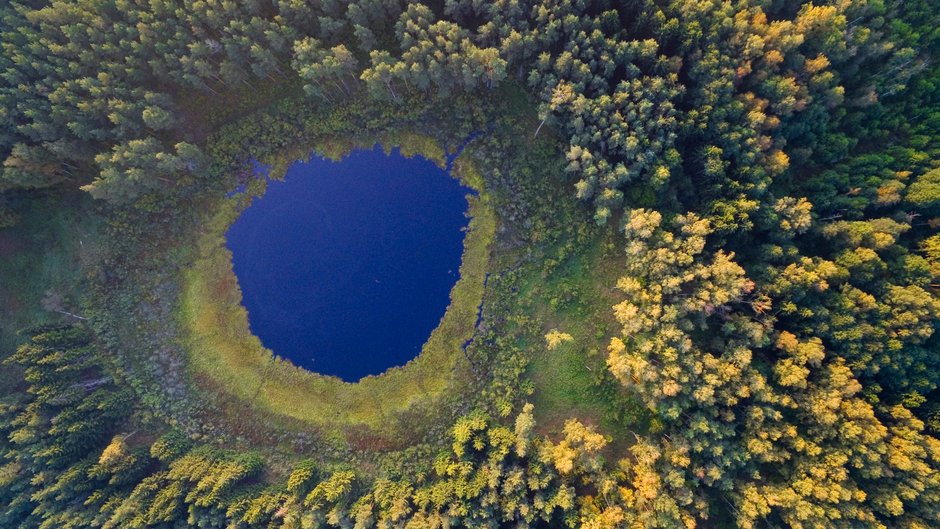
column 747, row 191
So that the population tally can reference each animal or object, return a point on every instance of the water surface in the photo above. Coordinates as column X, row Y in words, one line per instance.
column 346, row 267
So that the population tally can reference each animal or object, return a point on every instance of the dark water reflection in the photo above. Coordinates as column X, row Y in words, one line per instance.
column 346, row 267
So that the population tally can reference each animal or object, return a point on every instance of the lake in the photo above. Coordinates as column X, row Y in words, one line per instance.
column 346, row 267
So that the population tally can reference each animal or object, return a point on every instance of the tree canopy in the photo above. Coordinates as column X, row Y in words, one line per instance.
column 766, row 175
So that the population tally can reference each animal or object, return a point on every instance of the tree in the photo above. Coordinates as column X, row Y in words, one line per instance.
column 31, row 167
column 925, row 191
column 141, row 166
column 561, row 96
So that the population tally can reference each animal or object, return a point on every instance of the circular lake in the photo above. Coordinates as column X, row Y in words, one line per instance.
column 346, row 267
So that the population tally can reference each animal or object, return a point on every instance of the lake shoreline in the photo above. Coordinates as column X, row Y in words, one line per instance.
column 222, row 348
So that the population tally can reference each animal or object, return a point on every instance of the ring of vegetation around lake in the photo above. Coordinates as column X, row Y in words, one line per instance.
column 221, row 346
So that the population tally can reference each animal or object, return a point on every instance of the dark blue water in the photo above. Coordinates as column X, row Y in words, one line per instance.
column 347, row 267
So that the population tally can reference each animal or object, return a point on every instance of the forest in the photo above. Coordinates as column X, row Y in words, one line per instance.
column 699, row 289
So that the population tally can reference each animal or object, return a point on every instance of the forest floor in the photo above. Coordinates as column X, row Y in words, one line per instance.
column 571, row 380
column 43, row 254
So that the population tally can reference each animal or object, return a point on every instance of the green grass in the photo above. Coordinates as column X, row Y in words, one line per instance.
column 223, row 350
column 45, row 251
column 571, row 380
